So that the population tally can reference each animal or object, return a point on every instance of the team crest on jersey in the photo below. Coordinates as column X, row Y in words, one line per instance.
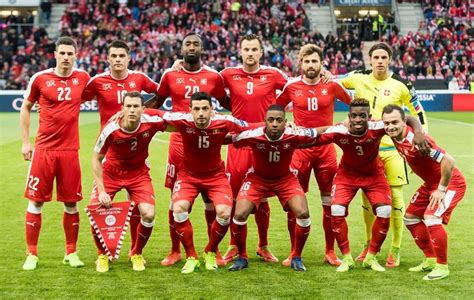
column 106, row 86
column 216, row 131
column 263, row 78
column 298, row 93
column 180, row 80
column 369, row 140
column 132, row 84
column 203, row 81
column 146, row 134
column 190, row 130
column 344, row 141
column 236, row 77
column 260, row 146
column 50, row 83
column 386, row 92
column 75, row 81
column 324, row 92
column 286, row 146
column 118, row 142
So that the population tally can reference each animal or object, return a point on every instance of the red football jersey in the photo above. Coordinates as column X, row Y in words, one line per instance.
column 272, row 158
column 427, row 168
column 313, row 104
column 202, row 147
column 109, row 91
column 181, row 85
column 360, row 152
column 60, row 100
column 128, row 150
column 252, row 93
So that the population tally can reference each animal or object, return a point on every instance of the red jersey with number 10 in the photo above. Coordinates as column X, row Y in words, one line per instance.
column 109, row 91
column 252, row 93
column 60, row 101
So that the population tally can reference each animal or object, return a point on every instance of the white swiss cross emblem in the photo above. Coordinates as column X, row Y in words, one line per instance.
column 386, row 92
column 146, row 134
column 132, row 84
column 286, row 146
column 75, row 81
column 324, row 92
column 203, row 81
column 263, row 78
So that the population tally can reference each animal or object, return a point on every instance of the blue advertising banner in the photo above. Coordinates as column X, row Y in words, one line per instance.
column 362, row 2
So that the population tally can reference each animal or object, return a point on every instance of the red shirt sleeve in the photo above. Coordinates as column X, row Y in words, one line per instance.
column 149, row 85
column 219, row 91
column 284, row 98
column 341, row 93
column 280, row 80
column 33, row 92
column 164, row 88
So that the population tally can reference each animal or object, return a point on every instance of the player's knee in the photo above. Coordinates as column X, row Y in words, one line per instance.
column 180, row 217
column 241, row 216
column 383, row 211
column 303, row 214
column 409, row 220
column 70, row 209
column 304, row 222
column 223, row 221
column 431, row 220
column 35, row 207
column 148, row 216
column 338, row 210
column 326, row 200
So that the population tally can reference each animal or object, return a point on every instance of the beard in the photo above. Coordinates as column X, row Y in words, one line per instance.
column 192, row 59
column 312, row 74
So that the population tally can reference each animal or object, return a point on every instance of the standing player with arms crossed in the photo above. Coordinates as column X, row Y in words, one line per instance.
column 55, row 156
column 252, row 89
column 272, row 147
column 313, row 106
column 433, row 203
column 109, row 89
column 119, row 162
column 381, row 87
column 180, row 85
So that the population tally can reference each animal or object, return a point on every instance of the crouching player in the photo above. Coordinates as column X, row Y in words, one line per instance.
column 431, row 206
column 272, row 148
column 124, row 145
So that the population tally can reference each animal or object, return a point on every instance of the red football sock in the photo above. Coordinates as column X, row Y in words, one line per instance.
column 439, row 238
column 98, row 244
column 240, row 235
column 262, row 218
column 71, row 230
column 341, row 232
column 185, row 231
column 134, row 221
column 232, row 241
column 32, row 230
column 143, row 234
column 327, row 227
column 210, row 218
column 422, row 239
column 291, row 224
column 379, row 233
column 217, row 234
column 173, row 235
column 301, row 235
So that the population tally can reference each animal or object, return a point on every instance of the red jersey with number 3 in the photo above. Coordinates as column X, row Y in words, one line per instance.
column 272, row 158
column 427, row 167
column 252, row 93
column 313, row 104
column 181, row 85
column 60, row 101
column 125, row 150
column 360, row 152
column 202, row 147
column 109, row 91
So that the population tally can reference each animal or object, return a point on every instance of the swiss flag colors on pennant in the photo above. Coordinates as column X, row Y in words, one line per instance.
column 110, row 225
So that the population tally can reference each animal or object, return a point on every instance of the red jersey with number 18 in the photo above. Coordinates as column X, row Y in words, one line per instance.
column 60, row 100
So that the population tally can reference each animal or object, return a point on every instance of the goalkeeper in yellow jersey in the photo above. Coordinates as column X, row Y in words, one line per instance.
column 382, row 87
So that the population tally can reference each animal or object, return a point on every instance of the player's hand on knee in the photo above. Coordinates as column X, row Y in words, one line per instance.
column 177, row 65
column 436, row 197
column 105, row 200
column 27, row 151
column 420, row 141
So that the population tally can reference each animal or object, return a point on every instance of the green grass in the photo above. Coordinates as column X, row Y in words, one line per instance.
column 52, row 279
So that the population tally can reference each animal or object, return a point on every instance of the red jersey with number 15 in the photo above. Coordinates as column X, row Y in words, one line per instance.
column 109, row 91
column 252, row 93
column 202, row 147
column 360, row 152
column 60, row 101
column 181, row 85
column 272, row 158
column 313, row 104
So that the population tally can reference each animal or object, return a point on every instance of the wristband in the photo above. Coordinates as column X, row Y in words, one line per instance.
column 442, row 188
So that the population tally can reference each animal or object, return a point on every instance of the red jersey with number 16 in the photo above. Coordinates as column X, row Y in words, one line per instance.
column 60, row 101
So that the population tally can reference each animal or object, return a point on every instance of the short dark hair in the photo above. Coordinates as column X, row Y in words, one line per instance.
column 250, row 37
column 200, row 96
column 192, row 33
column 118, row 44
column 391, row 107
column 133, row 94
column 359, row 102
column 66, row 40
column 276, row 107
column 382, row 46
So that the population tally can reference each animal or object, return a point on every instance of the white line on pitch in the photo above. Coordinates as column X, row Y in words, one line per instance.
column 453, row 122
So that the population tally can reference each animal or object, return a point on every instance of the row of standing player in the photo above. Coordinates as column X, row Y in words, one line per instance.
column 248, row 80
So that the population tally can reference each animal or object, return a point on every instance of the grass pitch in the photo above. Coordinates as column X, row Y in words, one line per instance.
column 453, row 131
